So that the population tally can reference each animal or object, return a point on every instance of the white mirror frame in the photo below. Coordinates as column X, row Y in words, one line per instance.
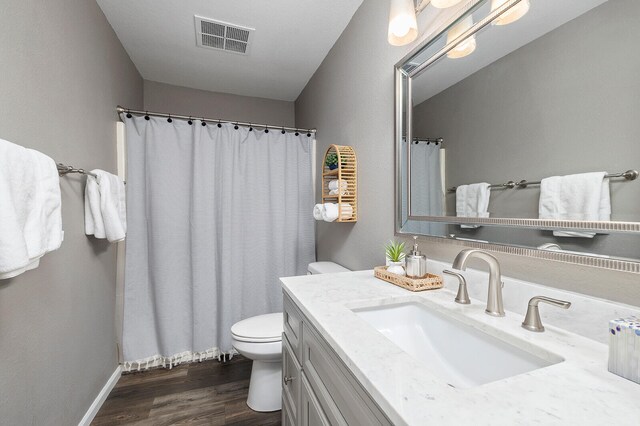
column 403, row 103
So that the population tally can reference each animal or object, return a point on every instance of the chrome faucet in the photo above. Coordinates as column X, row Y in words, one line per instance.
column 494, row 298
column 532, row 321
column 463, row 296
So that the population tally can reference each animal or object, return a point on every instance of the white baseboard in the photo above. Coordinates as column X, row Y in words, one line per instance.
column 102, row 396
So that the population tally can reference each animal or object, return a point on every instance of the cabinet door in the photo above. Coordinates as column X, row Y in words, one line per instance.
column 291, row 378
column 341, row 397
column 310, row 411
column 293, row 326
column 287, row 420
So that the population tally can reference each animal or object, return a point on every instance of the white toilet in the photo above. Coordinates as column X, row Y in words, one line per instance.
column 259, row 338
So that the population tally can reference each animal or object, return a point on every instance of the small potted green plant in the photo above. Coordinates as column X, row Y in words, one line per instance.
column 331, row 161
column 395, row 257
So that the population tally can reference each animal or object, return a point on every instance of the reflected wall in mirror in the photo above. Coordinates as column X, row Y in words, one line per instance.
column 553, row 93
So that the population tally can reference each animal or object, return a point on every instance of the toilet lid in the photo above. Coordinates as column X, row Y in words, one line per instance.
column 262, row 328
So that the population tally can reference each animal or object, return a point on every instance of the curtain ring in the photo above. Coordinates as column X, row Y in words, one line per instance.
column 146, row 115
column 283, row 132
column 236, row 126
column 309, row 134
column 204, row 123
column 190, row 121
column 219, row 125
column 250, row 127
column 129, row 114
column 297, row 133
column 169, row 120
column 266, row 129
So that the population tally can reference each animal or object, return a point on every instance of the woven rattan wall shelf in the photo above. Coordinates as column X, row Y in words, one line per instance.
column 343, row 173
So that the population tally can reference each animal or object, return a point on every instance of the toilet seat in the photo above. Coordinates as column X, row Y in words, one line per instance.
column 266, row 328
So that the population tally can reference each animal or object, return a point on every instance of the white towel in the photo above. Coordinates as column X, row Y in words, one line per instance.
column 331, row 211
column 582, row 196
column 105, row 210
column 335, row 192
column 318, row 211
column 333, row 185
column 30, row 208
column 473, row 201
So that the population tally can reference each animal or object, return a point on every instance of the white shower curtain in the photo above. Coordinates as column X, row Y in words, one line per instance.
column 215, row 215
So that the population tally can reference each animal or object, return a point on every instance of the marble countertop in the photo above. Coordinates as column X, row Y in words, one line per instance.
column 578, row 390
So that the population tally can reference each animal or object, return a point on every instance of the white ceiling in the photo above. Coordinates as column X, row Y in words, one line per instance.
column 495, row 42
column 291, row 39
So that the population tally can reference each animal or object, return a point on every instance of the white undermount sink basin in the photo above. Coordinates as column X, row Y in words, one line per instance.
column 457, row 353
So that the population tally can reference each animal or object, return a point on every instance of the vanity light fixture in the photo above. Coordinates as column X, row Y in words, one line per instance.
column 466, row 47
column 403, row 26
column 511, row 15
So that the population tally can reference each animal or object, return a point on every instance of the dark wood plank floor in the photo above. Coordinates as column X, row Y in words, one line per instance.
column 206, row 393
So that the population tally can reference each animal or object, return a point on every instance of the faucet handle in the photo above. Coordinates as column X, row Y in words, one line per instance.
column 532, row 321
column 462, row 297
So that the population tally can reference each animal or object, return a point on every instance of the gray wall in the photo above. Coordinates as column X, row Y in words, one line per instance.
column 63, row 73
column 350, row 99
column 162, row 97
column 565, row 103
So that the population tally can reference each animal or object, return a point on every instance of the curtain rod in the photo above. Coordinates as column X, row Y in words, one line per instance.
column 436, row 141
column 122, row 110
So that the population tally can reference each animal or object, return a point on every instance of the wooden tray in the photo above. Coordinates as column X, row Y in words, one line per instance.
column 430, row 282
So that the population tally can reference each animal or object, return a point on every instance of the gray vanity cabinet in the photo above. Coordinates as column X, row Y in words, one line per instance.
column 318, row 389
column 310, row 409
column 291, row 380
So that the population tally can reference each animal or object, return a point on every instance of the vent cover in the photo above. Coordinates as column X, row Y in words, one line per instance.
column 223, row 35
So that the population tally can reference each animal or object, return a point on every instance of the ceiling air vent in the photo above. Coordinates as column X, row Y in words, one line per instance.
column 223, row 35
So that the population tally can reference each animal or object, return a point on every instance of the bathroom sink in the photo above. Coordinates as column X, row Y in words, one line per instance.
column 458, row 353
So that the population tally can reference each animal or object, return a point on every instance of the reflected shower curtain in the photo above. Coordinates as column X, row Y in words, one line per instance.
column 427, row 187
column 216, row 215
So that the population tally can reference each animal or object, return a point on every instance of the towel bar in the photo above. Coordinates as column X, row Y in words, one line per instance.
column 64, row 170
column 628, row 175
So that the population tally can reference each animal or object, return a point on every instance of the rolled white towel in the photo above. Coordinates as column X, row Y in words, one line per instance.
column 333, row 185
column 318, row 211
column 331, row 211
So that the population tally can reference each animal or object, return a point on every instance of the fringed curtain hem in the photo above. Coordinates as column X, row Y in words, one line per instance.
column 172, row 361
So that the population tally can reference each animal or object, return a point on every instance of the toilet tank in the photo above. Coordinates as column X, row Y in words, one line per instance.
column 325, row 268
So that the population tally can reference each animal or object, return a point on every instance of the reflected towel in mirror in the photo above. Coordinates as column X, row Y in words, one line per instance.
column 583, row 196
column 473, row 201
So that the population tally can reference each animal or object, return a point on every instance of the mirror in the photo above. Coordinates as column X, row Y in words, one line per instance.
column 552, row 94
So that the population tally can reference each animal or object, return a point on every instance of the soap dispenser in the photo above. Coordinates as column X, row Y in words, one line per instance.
column 416, row 262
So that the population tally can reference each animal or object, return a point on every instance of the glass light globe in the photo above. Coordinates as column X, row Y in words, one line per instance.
column 511, row 15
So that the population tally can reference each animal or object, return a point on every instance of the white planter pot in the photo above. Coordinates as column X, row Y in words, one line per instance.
column 396, row 268
column 389, row 262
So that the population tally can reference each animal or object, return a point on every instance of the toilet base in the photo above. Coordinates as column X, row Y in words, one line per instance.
column 265, row 386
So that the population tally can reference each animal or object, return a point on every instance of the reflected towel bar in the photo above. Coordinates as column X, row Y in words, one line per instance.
column 628, row 175
column 507, row 185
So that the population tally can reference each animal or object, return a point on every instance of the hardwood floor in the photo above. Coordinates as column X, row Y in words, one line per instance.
column 206, row 393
